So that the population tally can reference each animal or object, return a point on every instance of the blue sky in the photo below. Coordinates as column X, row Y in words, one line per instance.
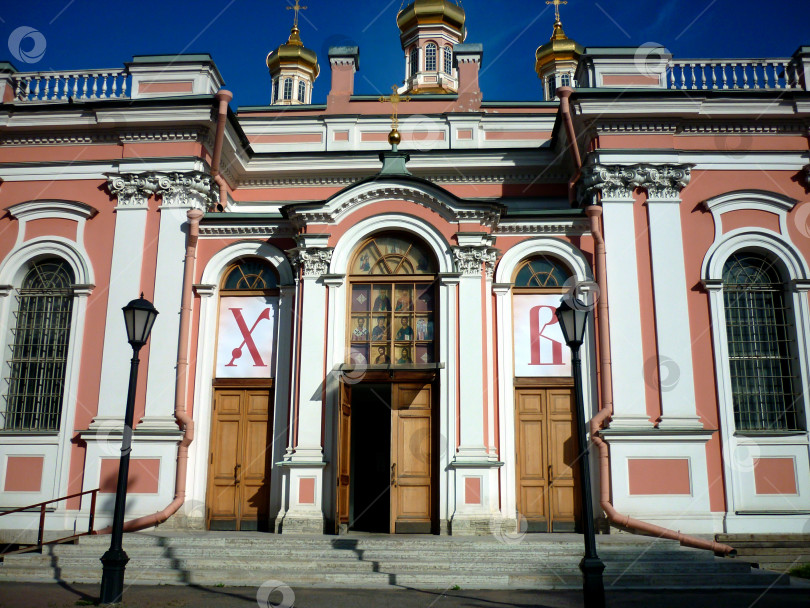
column 239, row 34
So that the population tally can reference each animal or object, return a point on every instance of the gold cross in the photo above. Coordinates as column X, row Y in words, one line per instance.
column 395, row 99
column 556, row 4
column 296, row 8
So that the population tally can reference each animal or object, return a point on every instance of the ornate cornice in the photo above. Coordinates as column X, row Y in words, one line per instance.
column 436, row 178
column 575, row 227
column 470, row 259
column 313, row 260
column 255, row 231
column 132, row 189
column 85, row 138
column 669, row 126
column 192, row 189
column 619, row 181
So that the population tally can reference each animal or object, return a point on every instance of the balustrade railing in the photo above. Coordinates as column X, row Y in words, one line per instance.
column 86, row 85
column 714, row 74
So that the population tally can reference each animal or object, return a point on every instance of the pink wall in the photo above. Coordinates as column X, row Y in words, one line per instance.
column 143, row 477
column 23, row 474
column 51, row 227
column 775, row 476
column 659, row 476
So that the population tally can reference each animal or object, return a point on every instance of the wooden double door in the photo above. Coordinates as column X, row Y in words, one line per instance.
column 240, row 460
column 546, row 450
column 386, row 469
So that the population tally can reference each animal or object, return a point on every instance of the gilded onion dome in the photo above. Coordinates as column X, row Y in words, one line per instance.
column 431, row 12
column 293, row 53
column 559, row 48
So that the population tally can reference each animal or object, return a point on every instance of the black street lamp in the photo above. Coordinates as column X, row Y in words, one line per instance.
column 139, row 316
column 573, row 321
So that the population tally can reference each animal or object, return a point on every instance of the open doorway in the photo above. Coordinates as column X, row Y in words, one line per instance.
column 370, row 487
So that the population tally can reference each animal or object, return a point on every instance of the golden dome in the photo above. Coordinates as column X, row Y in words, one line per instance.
column 428, row 12
column 559, row 48
column 293, row 52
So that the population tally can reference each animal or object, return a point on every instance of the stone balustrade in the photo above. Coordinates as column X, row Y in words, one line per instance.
column 705, row 74
column 85, row 85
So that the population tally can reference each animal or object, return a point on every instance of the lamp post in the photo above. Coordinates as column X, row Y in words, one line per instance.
column 139, row 316
column 572, row 322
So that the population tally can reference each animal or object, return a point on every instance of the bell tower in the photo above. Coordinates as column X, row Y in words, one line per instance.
column 293, row 68
column 558, row 58
column 429, row 29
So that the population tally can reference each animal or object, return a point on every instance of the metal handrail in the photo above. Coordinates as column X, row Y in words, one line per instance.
column 41, row 531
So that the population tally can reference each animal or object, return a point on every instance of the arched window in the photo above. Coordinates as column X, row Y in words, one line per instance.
column 39, row 348
column 302, row 91
column 392, row 312
column 414, row 60
column 761, row 360
column 565, row 80
column 448, row 60
column 430, row 57
column 288, row 89
column 250, row 274
column 542, row 271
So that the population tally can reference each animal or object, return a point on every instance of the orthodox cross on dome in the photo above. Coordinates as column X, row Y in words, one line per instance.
column 556, row 4
column 297, row 7
column 394, row 99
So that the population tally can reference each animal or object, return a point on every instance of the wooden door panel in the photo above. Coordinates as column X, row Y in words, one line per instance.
column 411, row 458
column 546, row 448
column 344, row 455
column 240, row 458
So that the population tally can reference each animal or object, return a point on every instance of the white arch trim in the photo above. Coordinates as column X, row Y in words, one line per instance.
column 47, row 246
column 750, row 199
column 545, row 245
column 758, row 239
column 212, row 275
column 391, row 221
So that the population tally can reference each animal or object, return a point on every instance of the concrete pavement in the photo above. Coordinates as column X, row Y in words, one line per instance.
column 28, row 595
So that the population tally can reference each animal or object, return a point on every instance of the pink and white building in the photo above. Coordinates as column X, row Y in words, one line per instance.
column 358, row 337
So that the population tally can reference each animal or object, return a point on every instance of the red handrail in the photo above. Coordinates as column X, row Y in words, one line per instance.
column 41, row 532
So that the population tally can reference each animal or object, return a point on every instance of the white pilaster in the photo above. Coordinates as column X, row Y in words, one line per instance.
column 133, row 192
column 676, row 381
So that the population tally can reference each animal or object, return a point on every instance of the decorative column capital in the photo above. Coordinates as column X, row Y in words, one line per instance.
column 619, row 181
column 470, row 259
column 313, row 260
column 192, row 189
column 132, row 189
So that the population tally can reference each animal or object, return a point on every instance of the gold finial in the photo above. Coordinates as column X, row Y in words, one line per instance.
column 556, row 4
column 296, row 8
column 394, row 99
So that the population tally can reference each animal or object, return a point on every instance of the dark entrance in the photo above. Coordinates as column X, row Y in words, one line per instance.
column 370, row 487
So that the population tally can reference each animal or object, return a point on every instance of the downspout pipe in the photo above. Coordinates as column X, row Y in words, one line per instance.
column 224, row 97
column 185, row 421
column 594, row 212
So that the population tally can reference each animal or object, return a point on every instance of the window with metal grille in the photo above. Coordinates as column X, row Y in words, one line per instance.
column 541, row 271
column 39, row 345
column 759, row 327
column 302, row 91
column 448, row 60
column 288, row 89
column 430, row 57
column 414, row 60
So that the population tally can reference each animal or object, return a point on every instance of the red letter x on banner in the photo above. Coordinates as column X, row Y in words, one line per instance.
column 248, row 338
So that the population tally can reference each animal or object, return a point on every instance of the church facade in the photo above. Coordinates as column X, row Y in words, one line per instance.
column 357, row 326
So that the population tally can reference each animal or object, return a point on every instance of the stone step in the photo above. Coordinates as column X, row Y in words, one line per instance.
column 793, row 552
column 432, row 580
column 410, row 565
column 741, row 538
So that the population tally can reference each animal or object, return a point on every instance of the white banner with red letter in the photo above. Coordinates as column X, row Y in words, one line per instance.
column 540, row 349
column 246, row 337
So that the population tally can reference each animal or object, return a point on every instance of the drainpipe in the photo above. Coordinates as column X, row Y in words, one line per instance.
column 606, row 411
column 181, row 388
column 224, row 97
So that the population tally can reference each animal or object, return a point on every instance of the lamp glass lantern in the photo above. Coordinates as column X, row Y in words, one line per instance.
column 139, row 316
column 573, row 320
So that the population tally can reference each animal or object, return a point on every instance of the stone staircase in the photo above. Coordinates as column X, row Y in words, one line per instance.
column 535, row 561
column 776, row 552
